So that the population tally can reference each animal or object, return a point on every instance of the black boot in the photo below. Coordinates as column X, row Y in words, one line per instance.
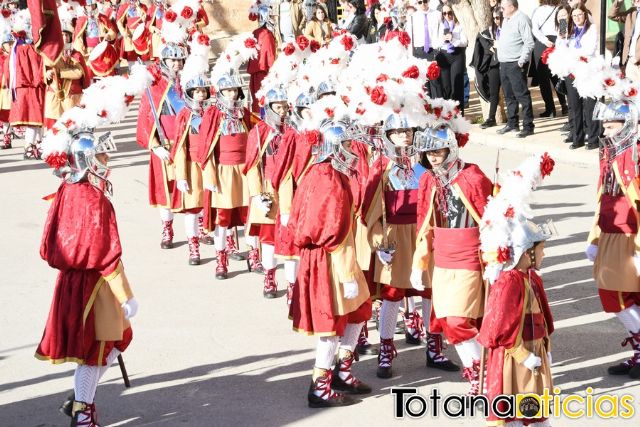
column 387, row 354
column 351, row 384
column 328, row 398
column 435, row 358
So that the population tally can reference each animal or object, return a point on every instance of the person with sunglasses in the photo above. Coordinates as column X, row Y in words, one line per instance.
column 451, row 56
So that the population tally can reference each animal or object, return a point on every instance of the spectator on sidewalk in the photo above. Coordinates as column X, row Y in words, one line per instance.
column 485, row 61
column 544, row 33
column 355, row 21
column 514, row 51
column 376, row 29
column 630, row 60
column 289, row 20
column 319, row 27
column 584, row 40
column 451, row 57
column 563, row 31
column 423, row 28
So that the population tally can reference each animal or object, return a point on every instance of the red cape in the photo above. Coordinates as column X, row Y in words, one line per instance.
column 285, row 156
column 146, row 125
column 254, row 146
column 266, row 51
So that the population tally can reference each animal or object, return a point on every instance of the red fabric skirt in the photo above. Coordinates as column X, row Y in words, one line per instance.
column 267, row 234
column 312, row 304
column 159, row 185
column 229, row 218
column 66, row 337
column 616, row 301
column 28, row 108
column 4, row 116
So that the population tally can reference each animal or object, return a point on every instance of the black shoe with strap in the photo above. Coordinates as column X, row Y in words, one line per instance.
column 328, row 398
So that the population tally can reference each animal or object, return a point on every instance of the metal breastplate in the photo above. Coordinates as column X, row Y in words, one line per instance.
column 173, row 103
column 92, row 28
column 610, row 185
column 456, row 213
column 402, row 179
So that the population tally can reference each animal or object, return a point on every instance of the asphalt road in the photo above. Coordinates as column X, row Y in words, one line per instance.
column 216, row 353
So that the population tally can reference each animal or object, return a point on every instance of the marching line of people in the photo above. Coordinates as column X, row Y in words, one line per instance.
column 351, row 175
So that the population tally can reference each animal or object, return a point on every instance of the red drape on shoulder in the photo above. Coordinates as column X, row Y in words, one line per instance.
column 255, row 140
column 361, row 175
column 29, row 67
column 183, row 123
column 81, row 232
column 376, row 171
column 45, row 29
column 266, row 51
column 538, row 287
column 201, row 15
column 146, row 122
column 210, row 123
column 284, row 157
column 301, row 158
column 86, row 76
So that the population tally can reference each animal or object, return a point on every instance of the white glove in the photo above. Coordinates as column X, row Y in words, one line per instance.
column 549, row 358
column 385, row 257
column 416, row 279
column 183, row 186
column 532, row 362
column 492, row 272
column 592, row 252
column 284, row 219
column 211, row 188
column 636, row 262
column 264, row 205
column 130, row 308
column 162, row 153
column 350, row 289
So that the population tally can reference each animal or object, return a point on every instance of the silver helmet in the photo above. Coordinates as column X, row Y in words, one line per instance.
column 265, row 16
column 618, row 111
column 525, row 236
column 199, row 82
column 81, row 156
column 304, row 100
column 275, row 94
column 398, row 154
column 172, row 51
column 229, row 80
column 334, row 135
column 326, row 87
column 437, row 137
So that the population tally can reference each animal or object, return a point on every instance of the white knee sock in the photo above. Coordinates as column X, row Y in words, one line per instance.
column 630, row 318
column 29, row 135
column 85, row 382
column 350, row 338
column 191, row 225
column 469, row 351
column 388, row 318
column 291, row 270
column 220, row 237
column 165, row 214
column 326, row 352
column 251, row 241
column 268, row 256
column 426, row 313
column 110, row 359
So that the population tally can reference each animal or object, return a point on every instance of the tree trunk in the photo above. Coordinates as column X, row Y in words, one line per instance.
column 475, row 16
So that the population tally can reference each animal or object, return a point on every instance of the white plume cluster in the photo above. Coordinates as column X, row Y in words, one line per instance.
column 197, row 63
column 506, row 217
column 179, row 20
column 104, row 102
column 240, row 49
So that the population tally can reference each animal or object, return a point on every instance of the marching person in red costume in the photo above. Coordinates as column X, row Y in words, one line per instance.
column 190, row 133
column 26, row 82
column 92, row 28
column 331, row 299
column 614, row 242
column 65, row 80
column 88, row 323
column 451, row 201
column 517, row 321
column 131, row 14
column 156, row 14
column 7, row 41
column 222, row 155
column 262, row 146
column 258, row 68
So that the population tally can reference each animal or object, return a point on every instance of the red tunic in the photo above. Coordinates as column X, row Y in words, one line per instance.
column 81, row 240
column 28, row 105
column 283, row 163
column 4, row 88
column 501, row 324
column 161, row 185
column 317, row 233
